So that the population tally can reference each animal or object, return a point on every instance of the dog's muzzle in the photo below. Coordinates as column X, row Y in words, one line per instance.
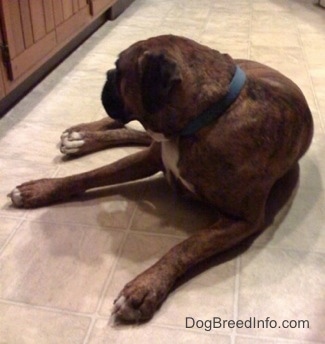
column 111, row 99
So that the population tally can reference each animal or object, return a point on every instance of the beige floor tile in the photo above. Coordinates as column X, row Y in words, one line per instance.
column 271, row 6
column 183, row 27
column 238, row 6
column 312, row 171
column 319, row 123
column 16, row 172
column 60, row 112
column 146, row 334
column 230, row 22
column 179, row 11
column 235, row 44
column 311, row 44
column 278, row 39
column 32, row 141
column 309, row 18
column 272, row 21
column 149, row 9
column 139, row 252
column 277, row 56
column 8, row 226
column 259, row 340
column 160, row 210
column 121, row 37
column 19, row 324
column 283, row 285
column 318, row 80
column 300, row 225
column 60, row 266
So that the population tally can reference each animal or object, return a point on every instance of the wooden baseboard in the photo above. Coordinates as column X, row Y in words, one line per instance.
column 118, row 8
column 321, row 3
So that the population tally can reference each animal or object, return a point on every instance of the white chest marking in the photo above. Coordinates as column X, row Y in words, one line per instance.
column 170, row 157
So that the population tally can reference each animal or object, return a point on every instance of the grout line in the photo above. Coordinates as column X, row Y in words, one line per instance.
column 11, row 235
column 250, row 31
column 108, row 280
column 236, row 297
column 195, row 330
column 44, row 308
column 75, row 223
column 287, row 340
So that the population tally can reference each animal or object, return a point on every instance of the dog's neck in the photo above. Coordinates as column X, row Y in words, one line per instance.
column 213, row 112
column 218, row 108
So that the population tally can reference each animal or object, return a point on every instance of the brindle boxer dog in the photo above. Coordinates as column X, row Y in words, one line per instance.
column 222, row 130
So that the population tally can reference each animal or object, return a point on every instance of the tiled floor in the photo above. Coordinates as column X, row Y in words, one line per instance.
column 62, row 266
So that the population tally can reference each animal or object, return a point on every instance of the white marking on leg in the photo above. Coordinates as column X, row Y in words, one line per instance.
column 159, row 137
column 135, row 125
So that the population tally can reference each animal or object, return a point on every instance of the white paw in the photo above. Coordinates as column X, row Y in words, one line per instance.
column 123, row 310
column 71, row 142
column 16, row 198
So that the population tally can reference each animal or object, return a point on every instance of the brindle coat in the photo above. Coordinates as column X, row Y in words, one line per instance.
column 232, row 164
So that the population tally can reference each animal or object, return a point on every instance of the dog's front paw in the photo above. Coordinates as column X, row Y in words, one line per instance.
column 71, row 142
column 139, row 299
column 38, row 193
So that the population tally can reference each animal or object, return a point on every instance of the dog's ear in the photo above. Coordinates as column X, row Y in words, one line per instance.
column 159, row 74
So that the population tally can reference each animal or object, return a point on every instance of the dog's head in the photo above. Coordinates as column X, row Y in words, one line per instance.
column 148, row 83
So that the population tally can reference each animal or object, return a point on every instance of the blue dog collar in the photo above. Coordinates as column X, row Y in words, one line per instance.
column 217, row 109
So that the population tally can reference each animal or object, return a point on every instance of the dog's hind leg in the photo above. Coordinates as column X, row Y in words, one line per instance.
column 141, row 297
column 42, row 192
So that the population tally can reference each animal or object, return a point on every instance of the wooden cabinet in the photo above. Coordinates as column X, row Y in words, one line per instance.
column 32, row 32
column 98, row 6
column 28, row 30
column 33, row 28
column 2, row 85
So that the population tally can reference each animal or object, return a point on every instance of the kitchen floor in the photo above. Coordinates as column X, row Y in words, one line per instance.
column 62, row 266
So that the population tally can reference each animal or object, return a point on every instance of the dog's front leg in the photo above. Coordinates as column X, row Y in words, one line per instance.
column 141, row 297
column 45, row 191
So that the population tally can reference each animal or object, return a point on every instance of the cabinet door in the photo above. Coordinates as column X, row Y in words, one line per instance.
column 28, row 32
column 32, row 29
column 2, row 86
column 70, row 16
column 99, row 6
